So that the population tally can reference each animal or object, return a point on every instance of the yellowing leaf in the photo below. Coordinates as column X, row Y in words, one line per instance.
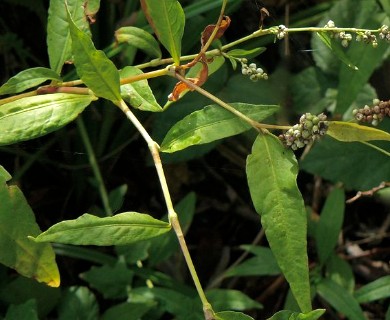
column 348, row 132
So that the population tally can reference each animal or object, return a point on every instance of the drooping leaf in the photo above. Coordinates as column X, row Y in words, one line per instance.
column 232, row 315
column 17, row 221
column 94, row 68
column 78, row 303
column 32, row 117
column 59, row 42
column 123, row 228
column 227, row 299
column 272, row 171
column 140, row 39
column 348, row 132
column 375, row 290
column 25, row 311
column 291, row 315
column 330, row 223
column 27, row 79
column 167, row 20
column 358, row 166
column 264, row 263
column 212, row 123
column 138, row 94
column 340, row 299
column 337, row 49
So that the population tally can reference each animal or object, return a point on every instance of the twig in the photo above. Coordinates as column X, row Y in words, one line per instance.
column 368, row 193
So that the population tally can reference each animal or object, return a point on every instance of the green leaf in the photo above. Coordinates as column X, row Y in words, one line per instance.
column 340, row 271
column 59, row 42
column 232, row 315
column 32, row 117
column 375, row 290
column 25, row 311
column 358, row 166
column 127, row 311
column 167, row 20
column 330, row 223
column 78, row 303
column 140, row 39
column 225, row 299
column 17, row 221
column 263, row 264
column 340, row 299
column 94, row 68
column 386, row 6
column 272, row 171
column 212, row 123
column 337, row 49
column 120, row 229
column 27, row 79
column 249, row 54
column 348, row 132
column 291, row 315
column 21, row 289
column 116, row 197
column 138, row 94
column 113, row 282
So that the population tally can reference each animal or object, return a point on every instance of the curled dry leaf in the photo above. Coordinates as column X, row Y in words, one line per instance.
column 209, row 30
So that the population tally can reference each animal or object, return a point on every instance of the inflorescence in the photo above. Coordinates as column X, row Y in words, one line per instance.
column 373, row 114
column 252, row 70
column 309, row 128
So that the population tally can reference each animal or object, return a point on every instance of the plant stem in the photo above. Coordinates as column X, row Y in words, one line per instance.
column 95, row 167
column 253, row 123
column 172, row 215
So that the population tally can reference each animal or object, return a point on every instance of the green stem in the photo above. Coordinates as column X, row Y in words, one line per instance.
column 172, row 215
column 253, row 123
column 95, row 166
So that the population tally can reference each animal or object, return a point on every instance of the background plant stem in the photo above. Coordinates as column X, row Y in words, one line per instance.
column 95, row 166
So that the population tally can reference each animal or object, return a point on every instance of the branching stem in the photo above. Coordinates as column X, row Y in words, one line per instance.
column 172, row 215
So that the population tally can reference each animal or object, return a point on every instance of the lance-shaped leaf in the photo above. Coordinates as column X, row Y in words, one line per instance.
column 340, row 299
column 337, row 49
column 329, row 225
column 58, row 40
column 291, row 315
column 272, row 171
column 167, row 20
column 94, row 68
column 375, row 290
column 121, row 229
column 348, row 132
column 138, row 94
column 27, row 79
column 17, row 221
column 32, row 117
column 212, row 123
column 232, row 315
column 140, row 39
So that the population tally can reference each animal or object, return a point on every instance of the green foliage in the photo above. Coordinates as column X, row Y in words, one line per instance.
column 145, row 274
column 278, row 201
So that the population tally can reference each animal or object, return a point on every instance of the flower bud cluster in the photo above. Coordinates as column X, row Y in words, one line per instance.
column 252, row 71
column 368, row 38
column 373, row 114
column 345, row 38
column 309, row 128
column 384, row 33
column 281, row 31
